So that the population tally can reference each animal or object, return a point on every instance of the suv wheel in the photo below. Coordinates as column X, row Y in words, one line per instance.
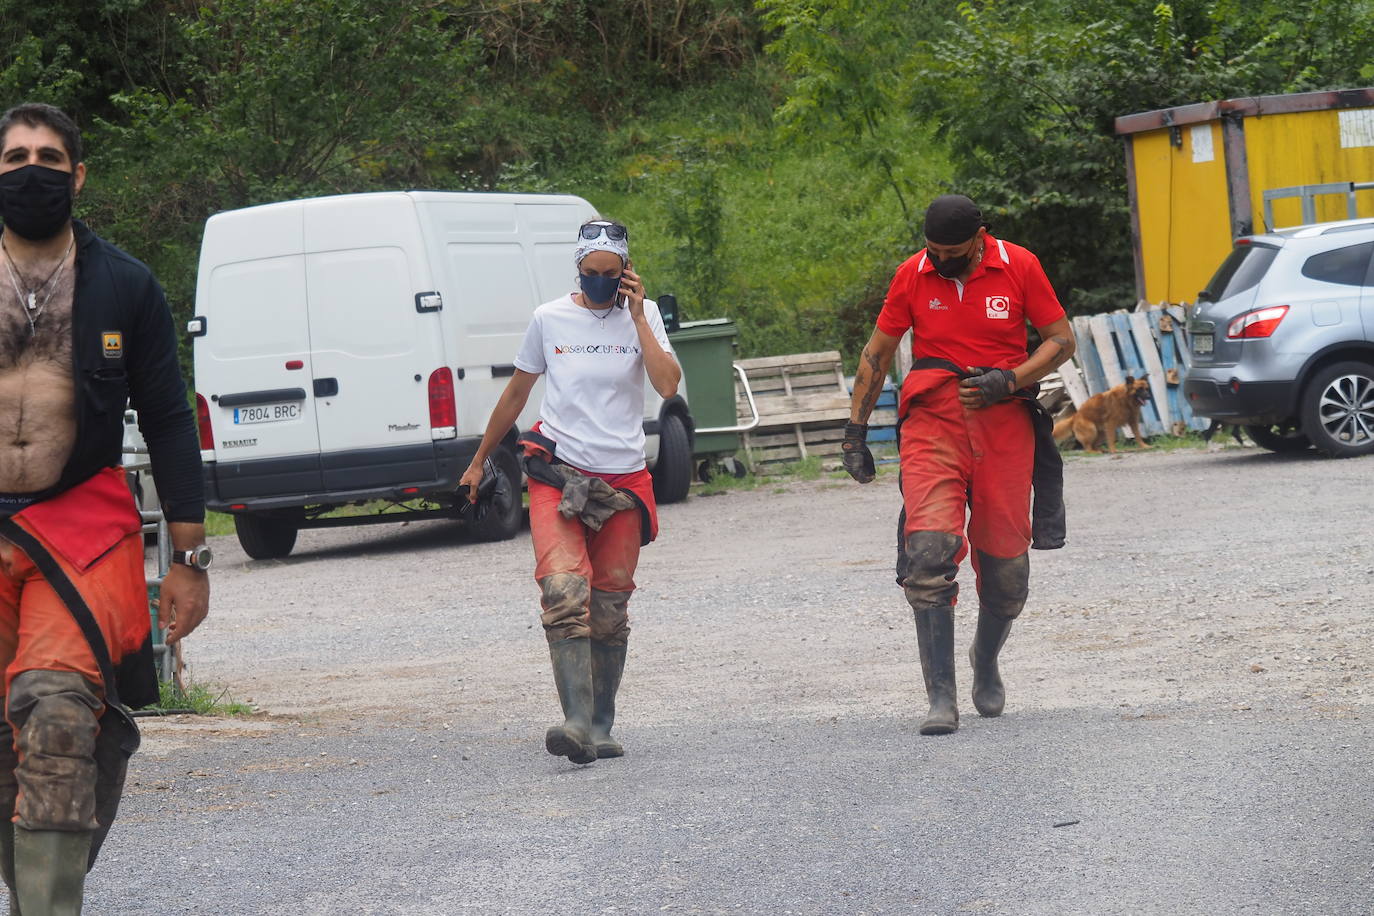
column 1285, row 438
column 264, row 537
column 1338, row 410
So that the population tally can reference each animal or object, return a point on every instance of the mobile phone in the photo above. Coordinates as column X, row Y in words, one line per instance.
column 624, row 301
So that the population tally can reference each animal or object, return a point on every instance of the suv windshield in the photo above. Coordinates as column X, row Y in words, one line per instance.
column 1242, row 269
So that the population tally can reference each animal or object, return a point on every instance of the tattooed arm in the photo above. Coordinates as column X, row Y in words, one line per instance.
column 873, row 368
column 1058, row 346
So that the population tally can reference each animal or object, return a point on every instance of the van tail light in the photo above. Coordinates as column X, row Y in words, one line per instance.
column 207, row 435
column 443, row 409
column 1259, row 323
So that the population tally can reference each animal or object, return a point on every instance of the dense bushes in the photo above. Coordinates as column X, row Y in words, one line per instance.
column 772, row 159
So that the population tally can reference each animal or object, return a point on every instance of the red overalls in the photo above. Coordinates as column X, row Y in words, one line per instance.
column 586, row 576
column 965, row 472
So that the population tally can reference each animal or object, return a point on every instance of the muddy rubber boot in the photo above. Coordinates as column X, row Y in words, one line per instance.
column 988, row 694
column 608, row 663
column 935, row 638
column 7, row 862
column 572, row 673
column 50, row 870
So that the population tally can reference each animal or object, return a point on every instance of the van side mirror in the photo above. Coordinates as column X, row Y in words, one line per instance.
column 667, row 307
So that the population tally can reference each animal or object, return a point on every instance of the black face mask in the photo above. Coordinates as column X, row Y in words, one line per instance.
column 949, row 268
column 35, row 201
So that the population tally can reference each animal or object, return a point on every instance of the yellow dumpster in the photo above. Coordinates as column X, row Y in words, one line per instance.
column 1202, row 175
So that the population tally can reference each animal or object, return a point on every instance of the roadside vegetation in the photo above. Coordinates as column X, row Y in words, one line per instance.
column 197, row 699
column 772, row 158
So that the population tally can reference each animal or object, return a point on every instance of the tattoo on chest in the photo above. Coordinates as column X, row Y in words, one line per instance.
column 50, row 338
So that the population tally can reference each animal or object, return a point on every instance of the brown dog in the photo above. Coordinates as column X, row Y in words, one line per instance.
column 1102, row 414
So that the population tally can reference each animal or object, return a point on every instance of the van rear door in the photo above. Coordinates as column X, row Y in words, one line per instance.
column 490, row 296
column 252, row 363
column 375, row 341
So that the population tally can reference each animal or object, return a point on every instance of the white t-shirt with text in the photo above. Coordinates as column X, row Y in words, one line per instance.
column 594, row 382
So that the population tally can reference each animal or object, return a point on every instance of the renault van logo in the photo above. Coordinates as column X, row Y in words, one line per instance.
column 113, row 344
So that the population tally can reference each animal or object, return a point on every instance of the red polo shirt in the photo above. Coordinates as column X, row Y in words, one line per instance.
column 981, row 324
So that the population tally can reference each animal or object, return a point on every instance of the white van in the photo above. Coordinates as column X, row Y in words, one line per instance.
column 350, row 349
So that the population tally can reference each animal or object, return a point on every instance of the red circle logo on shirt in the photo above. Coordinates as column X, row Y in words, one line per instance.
column 998, row 306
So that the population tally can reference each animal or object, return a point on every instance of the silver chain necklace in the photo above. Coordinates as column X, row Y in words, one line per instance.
column 33, row 310
column 604, row 316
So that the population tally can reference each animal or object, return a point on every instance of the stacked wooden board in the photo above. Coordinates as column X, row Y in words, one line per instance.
column 1149, row 343
column 803, row 404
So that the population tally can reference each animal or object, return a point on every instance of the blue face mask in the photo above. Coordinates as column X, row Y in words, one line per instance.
column 599, row 289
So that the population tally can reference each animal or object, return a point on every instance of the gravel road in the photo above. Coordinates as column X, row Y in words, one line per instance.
column 1189, row 695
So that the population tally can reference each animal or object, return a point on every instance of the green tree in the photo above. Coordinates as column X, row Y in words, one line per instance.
column 695, row 217
column 275, row 100
column 846, row 90
column 1026, row 95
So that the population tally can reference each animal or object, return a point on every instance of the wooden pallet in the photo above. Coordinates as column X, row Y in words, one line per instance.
column 1148, row 343
column 803, row 404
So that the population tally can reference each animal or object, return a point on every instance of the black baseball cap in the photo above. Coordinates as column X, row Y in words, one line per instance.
column 952, row 220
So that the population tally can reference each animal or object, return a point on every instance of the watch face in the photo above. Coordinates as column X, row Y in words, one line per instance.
column 200, row 557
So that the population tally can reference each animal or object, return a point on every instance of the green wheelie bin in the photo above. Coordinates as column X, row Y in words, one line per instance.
column 706, row 351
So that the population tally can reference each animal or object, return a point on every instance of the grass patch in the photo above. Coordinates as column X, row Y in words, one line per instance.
column 222, row 523
column 724, row 482
column 218, row 523
column 1174, row 443
column 1161, row 443
column 202, row 699
column 803, row 469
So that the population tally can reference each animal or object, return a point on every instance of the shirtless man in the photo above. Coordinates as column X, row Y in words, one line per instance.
column 84, row 329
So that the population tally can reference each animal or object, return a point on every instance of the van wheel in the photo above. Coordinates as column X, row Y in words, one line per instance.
column 673, row 470
column 503, row 520
column 263, row 537
column 1338, row 410
column 1285, row 438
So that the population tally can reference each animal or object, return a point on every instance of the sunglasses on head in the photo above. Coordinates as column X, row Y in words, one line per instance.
column 614, row 232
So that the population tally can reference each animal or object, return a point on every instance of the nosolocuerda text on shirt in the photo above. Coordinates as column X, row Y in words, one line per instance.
column 595, row 349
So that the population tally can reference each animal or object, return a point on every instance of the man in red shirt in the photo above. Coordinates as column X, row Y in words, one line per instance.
column 966, row 437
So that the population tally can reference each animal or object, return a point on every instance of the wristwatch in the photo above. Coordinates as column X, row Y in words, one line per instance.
column 196, row 558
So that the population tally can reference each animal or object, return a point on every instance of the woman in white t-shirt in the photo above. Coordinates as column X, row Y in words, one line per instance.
column 591, row 496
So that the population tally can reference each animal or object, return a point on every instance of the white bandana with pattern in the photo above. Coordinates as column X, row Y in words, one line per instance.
column 602, row 243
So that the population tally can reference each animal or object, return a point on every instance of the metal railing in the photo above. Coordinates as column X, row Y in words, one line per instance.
column 1309, row 193
column 753, row 408
column 155, row 523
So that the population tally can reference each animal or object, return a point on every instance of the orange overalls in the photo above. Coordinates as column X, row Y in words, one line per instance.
column 50, row 757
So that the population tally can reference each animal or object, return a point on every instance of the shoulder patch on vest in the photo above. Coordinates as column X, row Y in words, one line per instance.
column 113, row 344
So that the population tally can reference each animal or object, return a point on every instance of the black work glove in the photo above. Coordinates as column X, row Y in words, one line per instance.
column 490, row 493
column 991, row 386
column 858, row 460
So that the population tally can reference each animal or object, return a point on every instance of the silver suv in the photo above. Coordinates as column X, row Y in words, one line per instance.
column 1282, row 339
